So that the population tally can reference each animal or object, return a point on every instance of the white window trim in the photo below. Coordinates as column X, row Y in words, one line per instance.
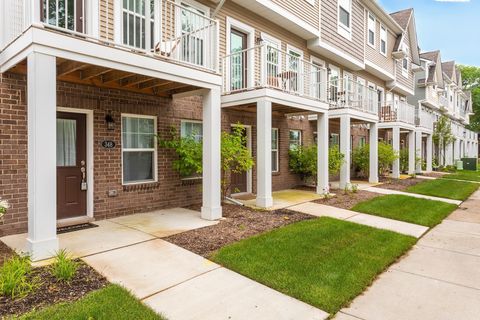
column 342, row 29
column 232, row 23
column 381, row 89
column 155, row 151
column 405, row 71
column 269, row 38
column 182, row 121
column 300, row 137
column 300, row 65
column 333, row 67
column 374, row 29
column 386, row 39
column 277, row 150
column 337, row 138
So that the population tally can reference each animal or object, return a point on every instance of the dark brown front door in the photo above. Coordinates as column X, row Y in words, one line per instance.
column 71, row 165
column 239, row 180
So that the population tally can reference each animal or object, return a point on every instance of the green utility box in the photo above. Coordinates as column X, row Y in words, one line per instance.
column 470, row 164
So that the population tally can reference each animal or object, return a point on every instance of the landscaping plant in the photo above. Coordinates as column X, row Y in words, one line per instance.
column 442, row 137
column 361, row 159
column 235, row 155
column 4, row 206
column 64, row 267
column 15, row 278
column 303, row 161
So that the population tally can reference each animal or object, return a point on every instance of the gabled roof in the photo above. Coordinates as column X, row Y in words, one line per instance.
column 431, row 56
column 448, row 69
column 434, row 69
column 406, row 20
column 402, row 17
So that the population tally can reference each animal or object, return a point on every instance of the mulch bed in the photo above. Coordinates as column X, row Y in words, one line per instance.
column 51, row 290
column 435, row 174
column 238, row 223
column 5, row 252
column 347, row 200
column 399, row 184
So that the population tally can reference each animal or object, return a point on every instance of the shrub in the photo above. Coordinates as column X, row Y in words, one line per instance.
column 15, row 279
column 361, row 159
column 303, row 161
column 403, row 160
column 4, row 206
column 64, row 267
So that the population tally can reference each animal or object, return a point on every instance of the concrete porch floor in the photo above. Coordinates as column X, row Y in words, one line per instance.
column 285, row 198
column 121, row 232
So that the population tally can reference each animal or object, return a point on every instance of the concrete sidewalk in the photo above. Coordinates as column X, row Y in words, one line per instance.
column 415, row 195
column 438, row 279
column 321, row 210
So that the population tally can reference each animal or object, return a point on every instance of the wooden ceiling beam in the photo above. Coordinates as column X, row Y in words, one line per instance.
column 186, row 88
column 134, row 80
column 115, row 75
column 154, row 83
column 69, row 67
column 93, row 72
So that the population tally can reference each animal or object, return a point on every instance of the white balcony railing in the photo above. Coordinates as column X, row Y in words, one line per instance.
column 158, row 28
column 264, row 66
column 423, row 119
column 400, row 111
column 443, row 101
column 346, row 93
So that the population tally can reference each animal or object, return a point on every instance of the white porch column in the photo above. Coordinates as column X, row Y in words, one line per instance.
column 411, row 152
column 345, row 150
column 373, row 178
column 264, row 153
column 429, row 153
column 42, row 241
column 418, row 153
column 211, row 205
column 322, row 154
column 396, row 148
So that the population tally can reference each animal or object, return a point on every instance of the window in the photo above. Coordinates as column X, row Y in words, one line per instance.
column 334, row 139
column 191, row 128
column 371, row 30
column 383, row 40
column 334, row 81
column 67, row 14
column 274, row 150
column 294, row 63
column 295, row 139
column 139, row 150
column 137, row 17
column 362, row 142
column 66, row 142
column 345, row 18
column 273, row 59
column 405, row 64
column 193, row 27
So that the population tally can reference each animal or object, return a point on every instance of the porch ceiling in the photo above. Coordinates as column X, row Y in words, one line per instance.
column 277, row 109
column 88, row 74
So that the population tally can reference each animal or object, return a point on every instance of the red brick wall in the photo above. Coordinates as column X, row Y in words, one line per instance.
column 170, row 191
column 13, row 152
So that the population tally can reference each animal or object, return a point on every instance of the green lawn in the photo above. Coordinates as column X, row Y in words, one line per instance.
column 464, row 175
column 112, row 302
column 324, row 262
column 424, row 212
column 444, row 188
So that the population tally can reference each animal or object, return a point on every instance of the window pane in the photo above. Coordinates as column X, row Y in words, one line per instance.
column 383, row 46
column 274, row 161
column 66, row 142
column 371, row 37
column 345, row 17
column 137, row 166
column 274, row 139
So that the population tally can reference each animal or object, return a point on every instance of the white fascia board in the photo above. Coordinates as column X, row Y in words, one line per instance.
column 395, row 86
column 73, row 48
column 378, row 71
column 401, row 125
column 16, row 51
column 354, row 114
column 280, row 16
column 274, row 96
column 325, row 49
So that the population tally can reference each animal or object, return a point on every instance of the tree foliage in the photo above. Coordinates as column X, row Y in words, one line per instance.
column 442, row 136
column 303, row 161
column 471, row 81
column 235, row 156
column 361, row 159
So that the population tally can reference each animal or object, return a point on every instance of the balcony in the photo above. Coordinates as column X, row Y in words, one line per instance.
column 264, row 66
column 346, row 93
column 423, row 119
column 443, row 101
column 160, row 29
column 398, row 111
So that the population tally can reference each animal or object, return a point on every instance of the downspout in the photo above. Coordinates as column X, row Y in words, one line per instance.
column 217, row 8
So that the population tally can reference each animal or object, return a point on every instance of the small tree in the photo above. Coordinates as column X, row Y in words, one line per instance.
column 235, row 156
column 361, row 159
column 303, row 161
column 404, row 160
column 442, row 137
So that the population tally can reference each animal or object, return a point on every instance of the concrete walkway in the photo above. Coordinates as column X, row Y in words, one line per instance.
column 438, row 279
column 321, row 210
column 173, row 281
column 415, row 195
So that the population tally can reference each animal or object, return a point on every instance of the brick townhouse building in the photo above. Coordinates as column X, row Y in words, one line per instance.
column 85, row 84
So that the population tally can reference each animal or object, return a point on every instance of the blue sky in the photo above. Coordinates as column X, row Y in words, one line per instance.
column 452, row 26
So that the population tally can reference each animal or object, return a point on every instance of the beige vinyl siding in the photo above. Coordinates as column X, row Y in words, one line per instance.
column 302, row 9
column 374, row 55
column 329, row 33
column 406, row 81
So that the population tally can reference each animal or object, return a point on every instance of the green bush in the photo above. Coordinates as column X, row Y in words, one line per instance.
column 361, row 159
column 403, row 160
column 303, row 161
column 15, row 279
column 64, row 267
